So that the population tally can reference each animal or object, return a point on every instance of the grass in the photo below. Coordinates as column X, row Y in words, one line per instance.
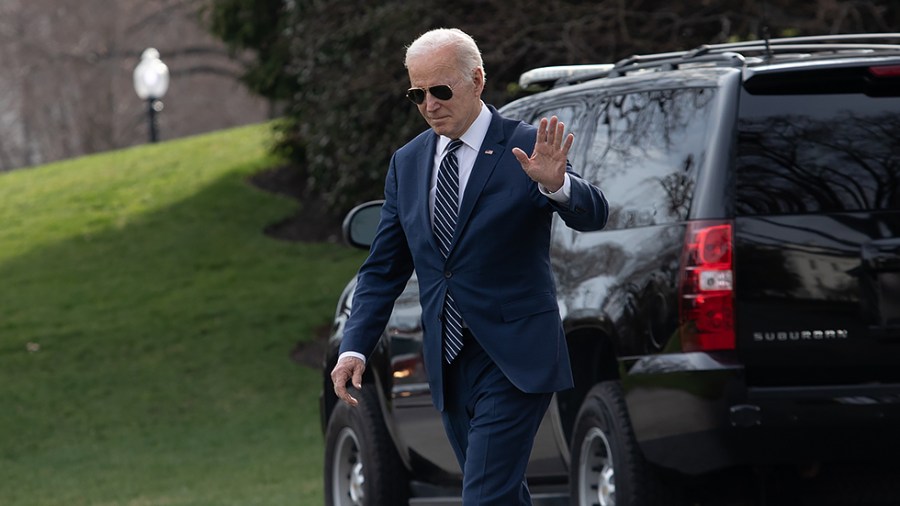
column 145, row 330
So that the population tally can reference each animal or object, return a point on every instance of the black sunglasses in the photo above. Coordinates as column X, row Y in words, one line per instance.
column 440, row 92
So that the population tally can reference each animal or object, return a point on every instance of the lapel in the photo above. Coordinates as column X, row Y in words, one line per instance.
column 425, row 162
column 492, row 149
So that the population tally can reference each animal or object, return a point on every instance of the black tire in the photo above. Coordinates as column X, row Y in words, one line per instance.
column 607, row 466
column 362, row 467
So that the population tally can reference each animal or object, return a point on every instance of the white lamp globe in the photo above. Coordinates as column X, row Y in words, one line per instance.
column 151, row 76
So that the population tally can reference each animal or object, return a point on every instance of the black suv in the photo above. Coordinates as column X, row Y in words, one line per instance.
column 741, row 310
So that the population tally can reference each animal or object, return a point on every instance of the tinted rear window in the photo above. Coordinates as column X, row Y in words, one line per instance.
column 818, row 152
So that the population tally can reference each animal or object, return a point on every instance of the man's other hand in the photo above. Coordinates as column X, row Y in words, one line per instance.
column 347, row 369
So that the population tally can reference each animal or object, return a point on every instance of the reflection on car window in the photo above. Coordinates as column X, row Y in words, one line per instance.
column 566, row 114
column 812, row 154
column 645, row 151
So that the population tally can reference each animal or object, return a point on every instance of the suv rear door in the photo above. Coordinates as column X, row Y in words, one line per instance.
column 817, row 225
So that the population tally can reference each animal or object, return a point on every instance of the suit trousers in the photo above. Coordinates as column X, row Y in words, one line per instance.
column 491, row 426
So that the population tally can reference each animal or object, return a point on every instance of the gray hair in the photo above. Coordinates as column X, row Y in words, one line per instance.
column 467, row 52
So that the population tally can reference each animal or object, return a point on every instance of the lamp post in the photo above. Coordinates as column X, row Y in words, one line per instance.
column 151, row 81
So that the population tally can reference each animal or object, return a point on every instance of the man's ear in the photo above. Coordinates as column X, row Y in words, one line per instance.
column 478, row 80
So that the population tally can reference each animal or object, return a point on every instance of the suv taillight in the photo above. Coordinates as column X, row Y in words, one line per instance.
column 706, row 298
column 885, row 71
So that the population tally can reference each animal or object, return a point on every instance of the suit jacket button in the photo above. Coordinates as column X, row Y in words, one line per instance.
column 448, row 274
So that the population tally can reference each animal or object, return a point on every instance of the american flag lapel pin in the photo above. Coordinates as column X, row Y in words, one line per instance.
column 489, row 151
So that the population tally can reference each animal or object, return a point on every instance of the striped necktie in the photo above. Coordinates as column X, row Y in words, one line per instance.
column 446, row 209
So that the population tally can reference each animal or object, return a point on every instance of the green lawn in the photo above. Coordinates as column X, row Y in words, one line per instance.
column 145, row 330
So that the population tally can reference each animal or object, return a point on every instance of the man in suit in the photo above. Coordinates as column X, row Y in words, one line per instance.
column 468, row 205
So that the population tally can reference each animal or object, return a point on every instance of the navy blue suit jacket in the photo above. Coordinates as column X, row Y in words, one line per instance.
column 498, row 268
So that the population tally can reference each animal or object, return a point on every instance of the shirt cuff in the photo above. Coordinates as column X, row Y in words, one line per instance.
column 352, row 354
column 562, row 195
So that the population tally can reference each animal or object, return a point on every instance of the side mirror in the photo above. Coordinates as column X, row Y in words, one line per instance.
column 361, row 222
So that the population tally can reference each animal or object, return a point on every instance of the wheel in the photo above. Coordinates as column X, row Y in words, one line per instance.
column 362, row 467
column 607, row 467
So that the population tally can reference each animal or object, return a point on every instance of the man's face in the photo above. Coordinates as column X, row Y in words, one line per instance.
column 450, row 117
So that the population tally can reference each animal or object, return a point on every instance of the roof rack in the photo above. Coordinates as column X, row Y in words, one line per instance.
column 662, row 61
column 735, row 53
column 812, row 39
